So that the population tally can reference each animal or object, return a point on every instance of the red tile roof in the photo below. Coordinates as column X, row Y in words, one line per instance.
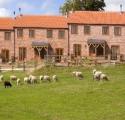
column 80, row 17
column 6, row 23
column 97, row 17
column 41, row 21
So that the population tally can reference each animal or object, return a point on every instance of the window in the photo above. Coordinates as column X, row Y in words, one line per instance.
column 31, row 33
column 74, row 29
column 105, row 30
column 61, row 34
column 7, row 35
column 77, row 50
column 117, row 31
column 49, row 33
column 19, row 33
column 86, row 30
column 22, row 53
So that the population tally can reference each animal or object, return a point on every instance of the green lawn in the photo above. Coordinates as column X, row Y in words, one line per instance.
column 68, row 99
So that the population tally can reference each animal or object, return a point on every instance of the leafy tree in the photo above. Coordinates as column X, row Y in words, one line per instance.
column 81, row 5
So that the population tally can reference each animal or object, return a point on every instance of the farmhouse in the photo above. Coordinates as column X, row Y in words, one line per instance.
column 81, row 33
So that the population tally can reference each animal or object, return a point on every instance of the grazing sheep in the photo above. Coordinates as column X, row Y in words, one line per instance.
column 46, row 78
column 33, row 79
column 78, row 75
column 1, row 78
column 54, row 78
column 104, row 77
column 13, row 78
column 18, row 82
column 96, row 74
column 27, row 80
column 41, row 77
column 7, row 84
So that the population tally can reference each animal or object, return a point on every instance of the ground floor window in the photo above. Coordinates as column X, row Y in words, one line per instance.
column 77, row 50
column 114, row 52
column 59, row 53
column 5, row 55
column 22, row 53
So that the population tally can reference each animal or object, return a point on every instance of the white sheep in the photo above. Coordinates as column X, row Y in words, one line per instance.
column 96, row 74
column 26, row 80
column 77, row 74
column 41, row 77
column 13, row 77
column 33, row 79
column 18, row 82
column 1, row 78
column 54, row 78
column 46, row 78
column 103, row 77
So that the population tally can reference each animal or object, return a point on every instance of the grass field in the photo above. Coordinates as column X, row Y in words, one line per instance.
column 67, row 99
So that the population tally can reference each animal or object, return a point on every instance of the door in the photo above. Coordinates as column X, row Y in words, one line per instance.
column 59, row 53
column 114, row 52
column 5, row 55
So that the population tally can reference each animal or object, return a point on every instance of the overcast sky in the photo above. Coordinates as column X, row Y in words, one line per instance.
column 45, row 6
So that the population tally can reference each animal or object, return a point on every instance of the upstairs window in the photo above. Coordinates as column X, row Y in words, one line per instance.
column 86, row 29
column 105, row 30
column 7, row 35
column 117, row 31
column 49, row 33
column 19, row 33
column 74, row 29
column 31, row 33
column 61, row 34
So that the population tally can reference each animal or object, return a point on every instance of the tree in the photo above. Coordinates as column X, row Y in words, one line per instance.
column 81, row 5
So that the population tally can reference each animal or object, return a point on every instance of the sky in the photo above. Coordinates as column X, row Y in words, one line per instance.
column 48, row 7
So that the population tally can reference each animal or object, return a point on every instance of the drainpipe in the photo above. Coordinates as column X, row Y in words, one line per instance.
column 14, row 46
column 68, row 41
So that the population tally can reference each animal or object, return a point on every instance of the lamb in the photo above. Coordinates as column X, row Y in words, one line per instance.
column 18, row 82
column 1, row 78
column 46, row 78
column 104, row 77
column 33, row 79
column 54, row 78
column 41, row 77
column 27, row 80
column 7, row 84
column 13, row 77
column 77, row 74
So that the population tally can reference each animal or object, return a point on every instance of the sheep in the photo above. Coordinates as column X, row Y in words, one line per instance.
column 54, row 78
column 18, row 82
column 103, row 77
column 27, row 80
column 7, row 84
column 96, row 74
column 1, row 78
column 46, row 78
column 33, row 79
column 77, row 74
column 41, row 77
column 13, row 77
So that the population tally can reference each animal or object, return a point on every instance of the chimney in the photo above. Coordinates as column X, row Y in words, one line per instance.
column 20, row 12
column 121, row 11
